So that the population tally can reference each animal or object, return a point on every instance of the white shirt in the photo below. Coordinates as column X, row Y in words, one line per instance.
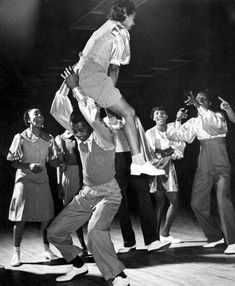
column 207, row 125
column 159, row 140
column 108, row 45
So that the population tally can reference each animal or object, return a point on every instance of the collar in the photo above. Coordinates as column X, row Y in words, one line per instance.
column 88, row 142
column 67, row 134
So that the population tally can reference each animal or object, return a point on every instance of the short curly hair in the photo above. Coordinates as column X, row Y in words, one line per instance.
column 120, row 9
column 157, row 108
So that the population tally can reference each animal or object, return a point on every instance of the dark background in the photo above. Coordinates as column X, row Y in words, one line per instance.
column 177, row 45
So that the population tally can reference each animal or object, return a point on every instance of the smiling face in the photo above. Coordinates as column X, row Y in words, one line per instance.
column 35, row 118
column 129, row 21
column 82, row 130
column 203, row 100
column 160, row 117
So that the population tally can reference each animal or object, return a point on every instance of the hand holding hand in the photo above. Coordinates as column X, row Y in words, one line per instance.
column 35, row 168
column 70, row 77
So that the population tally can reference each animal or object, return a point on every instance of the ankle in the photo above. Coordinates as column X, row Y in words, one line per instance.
column 77, row 262
column 46, row 247
column 138, row 159
column 16, row 250
column 122, row 274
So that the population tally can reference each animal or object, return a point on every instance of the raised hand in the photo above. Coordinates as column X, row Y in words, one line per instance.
column 70, row 77
column 192, row 100
column 224, row 104
column 181, row 114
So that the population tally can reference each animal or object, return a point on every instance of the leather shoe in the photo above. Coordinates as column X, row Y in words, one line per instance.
column 127, row 249
column 214, row 243
column 230, row 249
column 158, row 245
column 146, row 168
column 72, row 272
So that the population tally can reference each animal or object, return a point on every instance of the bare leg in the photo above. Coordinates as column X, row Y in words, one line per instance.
column 18, row 232
column 139, row 165
column 171, row 212
column 123, row 109
column 48, row 254
column 160, row 204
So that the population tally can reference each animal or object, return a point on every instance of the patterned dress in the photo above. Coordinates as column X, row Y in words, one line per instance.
column 31, row 199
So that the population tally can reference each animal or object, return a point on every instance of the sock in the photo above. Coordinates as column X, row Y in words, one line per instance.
column 46, row 247
column 77, row 262
column 17, row 250
column 138, row 159
column 122, row 274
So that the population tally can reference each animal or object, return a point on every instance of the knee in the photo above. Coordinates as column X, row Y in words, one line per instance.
column 130, row 113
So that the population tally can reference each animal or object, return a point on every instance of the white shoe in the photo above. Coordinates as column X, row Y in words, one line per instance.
column 127, row 249
column 72, row 272
column 48, row 254
column 230, row 249
column 158, row 245
column 214, row 243
column 146, row 168
column 169, row 239
column 120, row 281
column 15, row 261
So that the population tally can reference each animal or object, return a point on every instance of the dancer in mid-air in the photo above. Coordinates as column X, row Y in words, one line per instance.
column 106, row 50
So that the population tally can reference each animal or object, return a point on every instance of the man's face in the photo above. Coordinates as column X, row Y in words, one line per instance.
column 203, row 100
column 160, row 117
column 82, row 130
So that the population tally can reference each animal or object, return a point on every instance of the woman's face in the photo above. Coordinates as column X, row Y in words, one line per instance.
column 129, row 21
column 35, row 118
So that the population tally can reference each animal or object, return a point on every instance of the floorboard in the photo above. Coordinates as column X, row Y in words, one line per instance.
column 184, row 264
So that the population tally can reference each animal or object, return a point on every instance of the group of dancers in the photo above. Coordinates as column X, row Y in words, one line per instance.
column 111, row 152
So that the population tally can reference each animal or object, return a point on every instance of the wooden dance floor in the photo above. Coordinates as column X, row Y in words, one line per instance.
column 185, row 264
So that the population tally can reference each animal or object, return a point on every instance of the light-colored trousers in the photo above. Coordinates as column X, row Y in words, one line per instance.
column 98, row 204
column 214, row 169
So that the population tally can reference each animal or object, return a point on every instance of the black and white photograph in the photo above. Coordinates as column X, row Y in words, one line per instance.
column 117, row 145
